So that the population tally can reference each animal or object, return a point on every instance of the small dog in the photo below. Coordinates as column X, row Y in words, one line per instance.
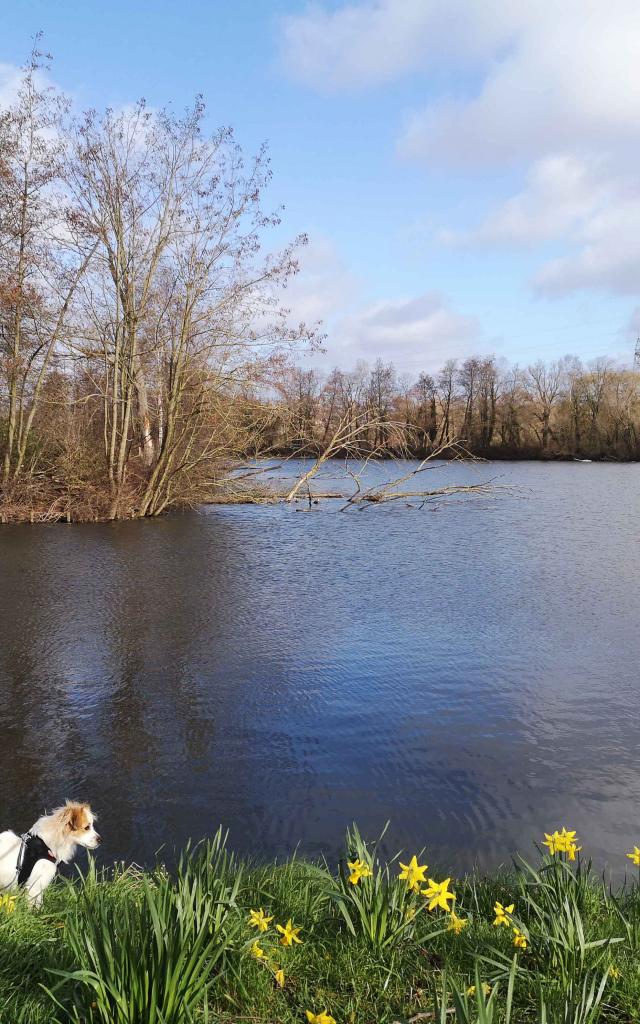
column 32, row 860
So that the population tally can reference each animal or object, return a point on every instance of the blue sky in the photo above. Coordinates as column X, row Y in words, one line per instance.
column 464, row 168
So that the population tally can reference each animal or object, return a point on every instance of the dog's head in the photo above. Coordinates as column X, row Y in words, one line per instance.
column 77, row 821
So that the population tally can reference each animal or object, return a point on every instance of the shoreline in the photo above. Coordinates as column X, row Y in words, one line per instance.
column 481, row 455
column 256, row 495
column 367, row 941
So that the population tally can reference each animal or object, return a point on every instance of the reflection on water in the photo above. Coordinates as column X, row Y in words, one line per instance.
column 470, row 674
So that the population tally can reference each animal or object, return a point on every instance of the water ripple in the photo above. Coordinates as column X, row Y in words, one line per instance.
column 471, row 676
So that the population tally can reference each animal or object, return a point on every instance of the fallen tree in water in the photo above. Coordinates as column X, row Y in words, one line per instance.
column 236, row 490
column 347, row 439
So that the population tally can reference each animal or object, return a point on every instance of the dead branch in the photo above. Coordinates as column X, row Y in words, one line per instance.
column 376, row 495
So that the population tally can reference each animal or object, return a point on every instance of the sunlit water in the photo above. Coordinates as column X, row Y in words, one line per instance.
column 471, row 673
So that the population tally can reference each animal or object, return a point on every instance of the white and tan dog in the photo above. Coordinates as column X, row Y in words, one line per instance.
column 32, row 860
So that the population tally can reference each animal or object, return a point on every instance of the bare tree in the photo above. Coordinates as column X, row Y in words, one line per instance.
column 381, row 394
column 426, row 417
column 511, row 426
column 446, row 392
column 40, row 260
column 179, row 298
column 544, row 382
column 488, row 393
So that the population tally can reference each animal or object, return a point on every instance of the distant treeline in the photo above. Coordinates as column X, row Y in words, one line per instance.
column 561, row 409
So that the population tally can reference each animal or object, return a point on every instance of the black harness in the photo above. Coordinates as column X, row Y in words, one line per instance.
column 33, row 849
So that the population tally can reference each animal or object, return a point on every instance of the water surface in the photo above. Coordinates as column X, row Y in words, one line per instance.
column 471, row 673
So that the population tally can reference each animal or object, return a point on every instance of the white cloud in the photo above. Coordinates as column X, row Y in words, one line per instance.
column 607, row 255
column 550, row 75
column 592, row 206
column 570, row 79
column 10, row 80
column 417, row 333
column 549, row 88
column 631, row 329
column 560, row 191
column 368, row 44
column 324, row 285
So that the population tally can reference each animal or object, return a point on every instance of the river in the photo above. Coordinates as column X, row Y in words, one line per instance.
column 471, row 672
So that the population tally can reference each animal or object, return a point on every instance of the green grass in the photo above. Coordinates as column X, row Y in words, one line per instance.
column 132, row 947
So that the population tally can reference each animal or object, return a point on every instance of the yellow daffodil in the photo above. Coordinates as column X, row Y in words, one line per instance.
column 635, row 856
column 550, row 841
column 279, row 977
column 8, row 903
column 289, row 934
column 438, row 893
column 568, row 843
column 320, row 1018
column 519, row 939
column 413, row 873
column 257, row 919
column 359, row 869
column 567, row 838
column 257, row 951
column 562, row 842
column 471, row 991
column 457, row 924
column 614, row 972
column 502, row 914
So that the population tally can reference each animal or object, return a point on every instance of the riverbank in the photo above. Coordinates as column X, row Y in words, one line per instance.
column 48, row 502
column 370, row 943
column 493, row 453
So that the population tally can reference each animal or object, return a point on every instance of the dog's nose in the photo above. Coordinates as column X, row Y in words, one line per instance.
column 98, row 838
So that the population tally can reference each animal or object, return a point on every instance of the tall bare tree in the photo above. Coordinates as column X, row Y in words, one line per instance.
column 41, row 261
column 544, row 382
column 180, row 300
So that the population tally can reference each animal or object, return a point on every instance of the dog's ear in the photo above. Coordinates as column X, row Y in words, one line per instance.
column 72, row 817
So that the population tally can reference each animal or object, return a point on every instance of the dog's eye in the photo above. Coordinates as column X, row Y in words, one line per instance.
column 87, row 827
